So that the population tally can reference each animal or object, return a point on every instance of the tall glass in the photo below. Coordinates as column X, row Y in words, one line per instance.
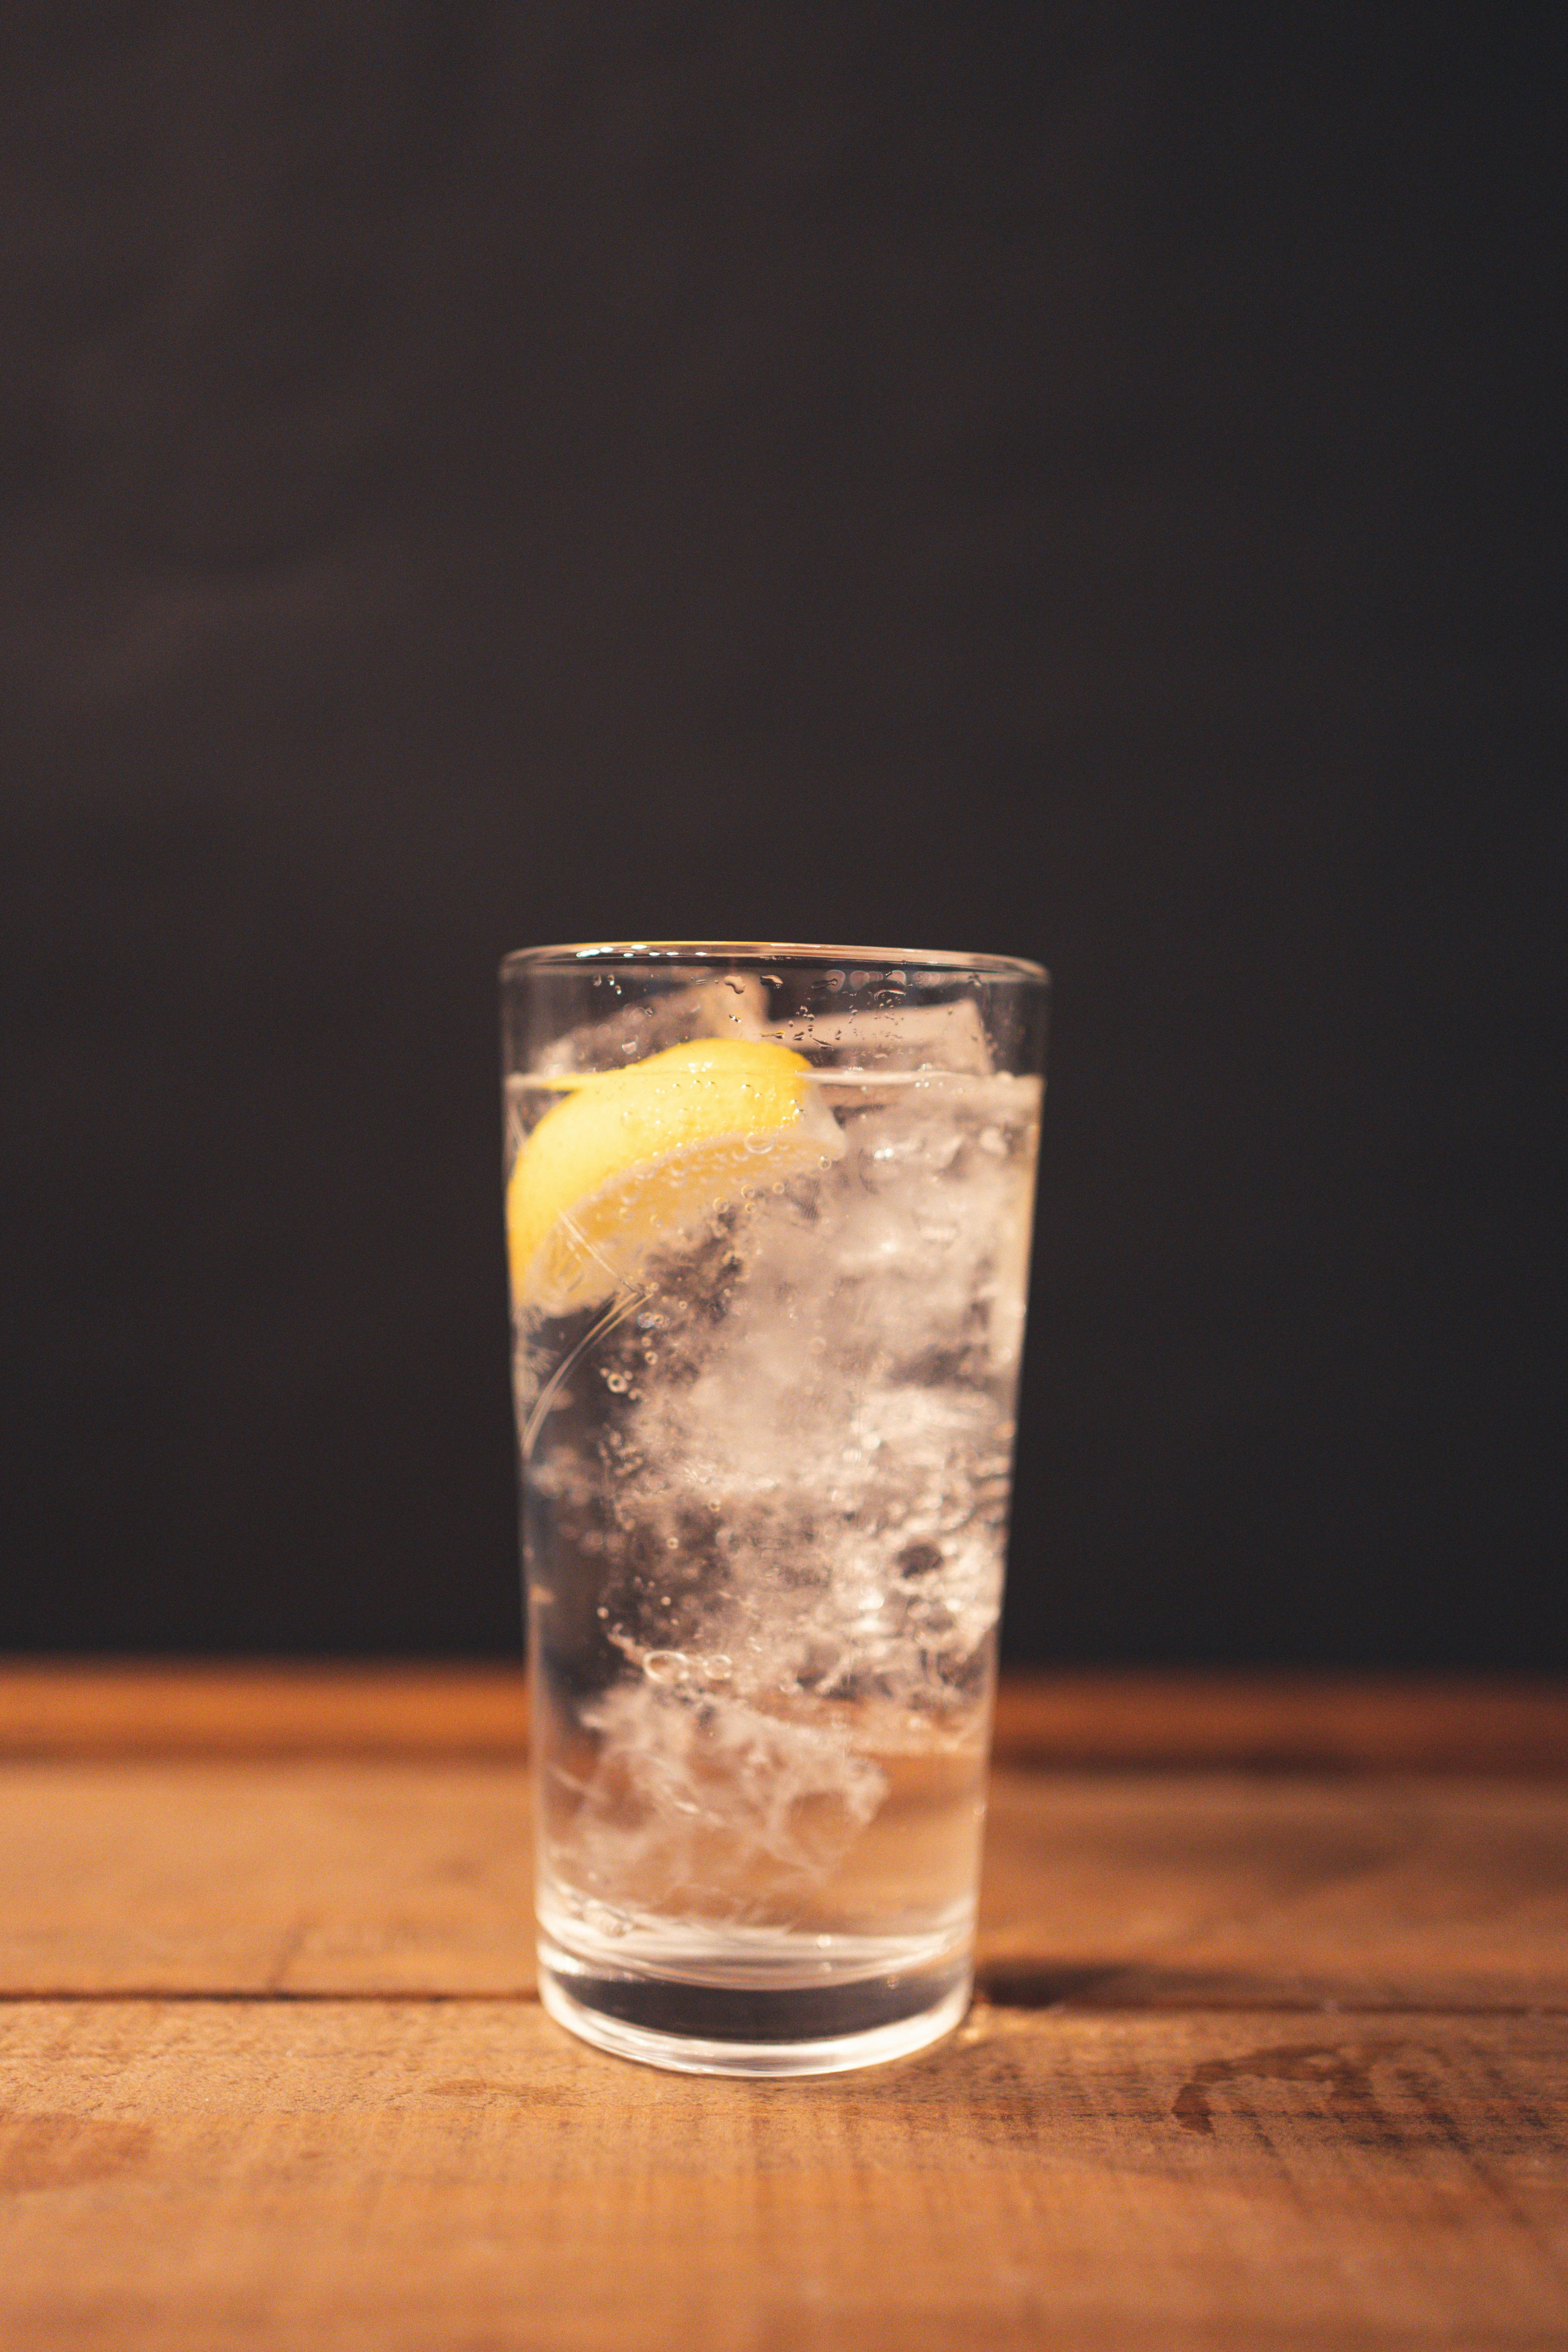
column 768, row 1213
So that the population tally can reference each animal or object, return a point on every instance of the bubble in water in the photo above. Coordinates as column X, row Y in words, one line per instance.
column 617, row 1382
column 666, row 1667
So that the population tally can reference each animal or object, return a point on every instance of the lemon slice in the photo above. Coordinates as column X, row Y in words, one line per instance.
column 635, row 1158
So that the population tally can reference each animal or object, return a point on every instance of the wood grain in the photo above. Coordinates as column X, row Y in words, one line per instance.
column 1263, row 2058
column 243, row 1876
column 1296, row 1722
column 128, row 1707
column 459, row 2175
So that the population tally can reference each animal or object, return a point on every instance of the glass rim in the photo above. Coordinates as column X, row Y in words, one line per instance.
column 761, row 953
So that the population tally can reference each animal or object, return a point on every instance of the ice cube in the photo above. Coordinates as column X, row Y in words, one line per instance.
column 903, row 1037
column 731, row 1004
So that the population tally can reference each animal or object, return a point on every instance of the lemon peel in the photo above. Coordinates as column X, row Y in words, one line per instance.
column 634, row 1158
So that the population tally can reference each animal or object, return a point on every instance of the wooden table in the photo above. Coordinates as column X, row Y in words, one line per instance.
column 1271, row 2049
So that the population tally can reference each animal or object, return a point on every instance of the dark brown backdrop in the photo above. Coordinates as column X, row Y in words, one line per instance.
column 1074, row 480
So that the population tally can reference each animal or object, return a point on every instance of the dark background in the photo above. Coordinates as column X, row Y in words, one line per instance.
column 1070, row 480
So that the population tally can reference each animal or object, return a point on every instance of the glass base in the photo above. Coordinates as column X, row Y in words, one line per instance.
column 693, row 2028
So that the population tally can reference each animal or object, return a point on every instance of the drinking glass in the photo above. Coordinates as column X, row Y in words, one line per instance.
column 768, row 1221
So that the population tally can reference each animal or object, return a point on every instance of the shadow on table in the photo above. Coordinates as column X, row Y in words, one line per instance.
column 1029, row 1984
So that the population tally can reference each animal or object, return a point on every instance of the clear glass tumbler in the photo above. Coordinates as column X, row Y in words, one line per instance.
column 768, row 1218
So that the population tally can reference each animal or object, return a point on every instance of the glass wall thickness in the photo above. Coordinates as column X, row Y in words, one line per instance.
column 769, row 1214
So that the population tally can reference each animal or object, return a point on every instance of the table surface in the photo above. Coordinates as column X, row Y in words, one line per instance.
column 1270, row 2050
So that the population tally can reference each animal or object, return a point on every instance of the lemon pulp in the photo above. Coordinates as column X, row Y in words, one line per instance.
column 632, row 1159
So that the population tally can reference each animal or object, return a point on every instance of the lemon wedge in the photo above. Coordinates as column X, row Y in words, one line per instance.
column 632, row 1159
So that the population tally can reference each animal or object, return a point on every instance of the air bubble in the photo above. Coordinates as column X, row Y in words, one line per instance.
column 617, row 1382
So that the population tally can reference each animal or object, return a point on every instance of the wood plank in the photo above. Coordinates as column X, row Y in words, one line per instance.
column 1286, row 1721
column 87, row 1707
column 332, row 1875
column 244, row 1876
column 176, row 1707
column 1268, row 2060
column 1205, row 1890
column 461, row 2177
